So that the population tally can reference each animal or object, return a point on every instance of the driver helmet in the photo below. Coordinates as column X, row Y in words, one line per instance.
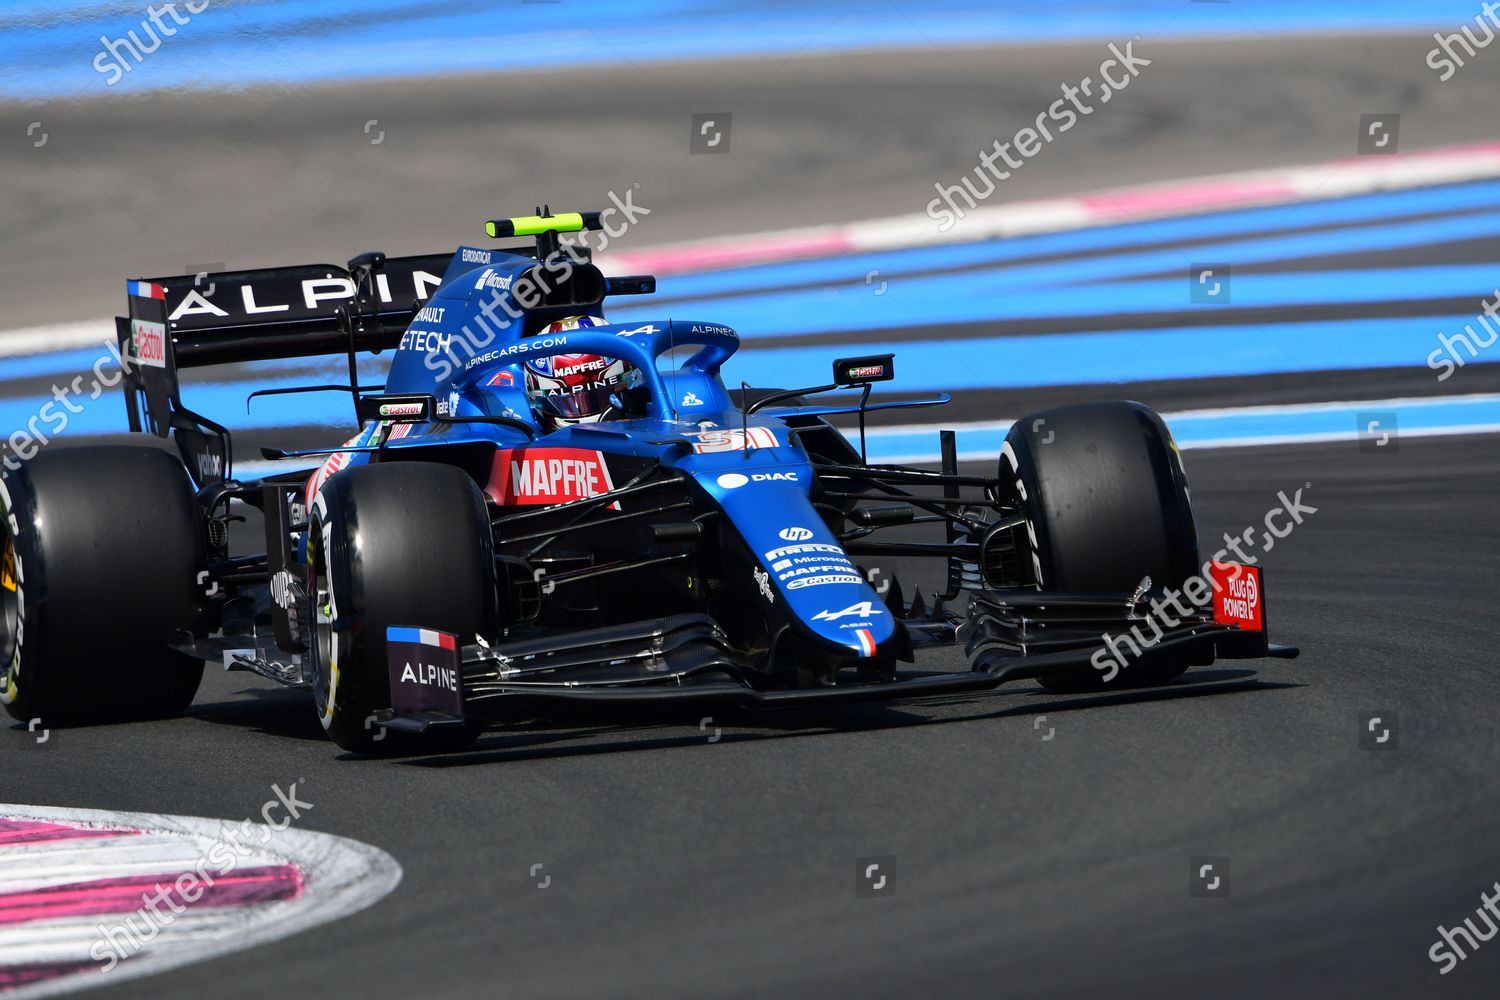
column 576, row 387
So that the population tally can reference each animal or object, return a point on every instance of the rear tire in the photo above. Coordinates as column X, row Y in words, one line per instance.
column 102, row 553
column 1107, row 504
column 395, row 543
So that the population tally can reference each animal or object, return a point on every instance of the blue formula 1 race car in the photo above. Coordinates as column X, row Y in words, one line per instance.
column 544, row 511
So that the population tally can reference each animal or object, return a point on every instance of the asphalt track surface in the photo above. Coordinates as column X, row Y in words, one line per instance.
column 1024, row 866
column 684, row 867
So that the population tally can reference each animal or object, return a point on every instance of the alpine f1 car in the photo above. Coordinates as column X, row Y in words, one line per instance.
column 544, row 511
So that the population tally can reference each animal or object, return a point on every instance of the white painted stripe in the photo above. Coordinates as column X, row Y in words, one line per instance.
column 1220, row 192
column 991, row 454
column 1451, row 430
column 341, row 877
column 39, row 866
column 1195, row 429
column 69, row 940
column 1266, row 409
column 1215, row 193
column 56, row 337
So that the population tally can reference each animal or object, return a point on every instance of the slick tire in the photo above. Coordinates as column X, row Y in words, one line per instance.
column 1107, row 504
column 100, row 569
column 395, row 543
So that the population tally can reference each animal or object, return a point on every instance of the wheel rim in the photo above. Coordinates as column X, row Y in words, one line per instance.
column 325, row 642
column 10, row 605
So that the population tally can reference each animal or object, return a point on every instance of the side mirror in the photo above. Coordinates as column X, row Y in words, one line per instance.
column 404, row 408
column 863, row 371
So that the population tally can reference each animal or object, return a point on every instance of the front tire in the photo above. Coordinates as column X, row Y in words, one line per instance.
column 1107, row 505
column 102, row 553
column 395, row 543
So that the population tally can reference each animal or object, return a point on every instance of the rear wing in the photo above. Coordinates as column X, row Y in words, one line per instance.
column 185, row 321
column 292, row 312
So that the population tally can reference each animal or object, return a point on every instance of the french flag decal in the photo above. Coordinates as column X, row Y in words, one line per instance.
column 866, row 643
column 420, row 636
column 146, row 290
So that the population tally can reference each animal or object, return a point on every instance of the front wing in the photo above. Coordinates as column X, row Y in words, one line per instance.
column 685, row 663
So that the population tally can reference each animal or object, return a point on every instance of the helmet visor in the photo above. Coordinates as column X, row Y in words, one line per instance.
column 581, row 404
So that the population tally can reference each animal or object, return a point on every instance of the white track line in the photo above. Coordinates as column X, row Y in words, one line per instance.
column 341, row 877
column 1140, row 203
column 54, row 337
column 1259, row 410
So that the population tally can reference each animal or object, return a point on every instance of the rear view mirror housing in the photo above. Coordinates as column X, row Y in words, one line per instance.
column 864, row 370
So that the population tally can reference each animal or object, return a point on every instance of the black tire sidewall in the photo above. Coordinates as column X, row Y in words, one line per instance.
column 424, row 557
column 1107, row 506
column 1105, row 496
column 110, row 547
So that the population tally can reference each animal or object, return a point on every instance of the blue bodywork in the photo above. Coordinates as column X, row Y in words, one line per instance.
column 466, row 349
